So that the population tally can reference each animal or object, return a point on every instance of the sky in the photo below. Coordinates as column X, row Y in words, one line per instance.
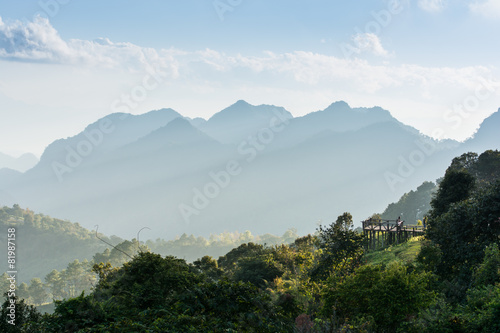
column 434, row 64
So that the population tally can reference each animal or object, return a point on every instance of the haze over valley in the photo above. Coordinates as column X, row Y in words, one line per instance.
column 247, row 167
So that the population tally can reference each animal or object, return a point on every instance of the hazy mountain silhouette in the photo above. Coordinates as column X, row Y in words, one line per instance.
column 21, row 163
column 247, row 167
column 236, row 122
column 106, row 134
column 487, row 136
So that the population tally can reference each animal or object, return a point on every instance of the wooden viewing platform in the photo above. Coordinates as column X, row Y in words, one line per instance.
column 381, row 233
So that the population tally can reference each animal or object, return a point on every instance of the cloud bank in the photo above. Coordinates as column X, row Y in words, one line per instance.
column 38, row 41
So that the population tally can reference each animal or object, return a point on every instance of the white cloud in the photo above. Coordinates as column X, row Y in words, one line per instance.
column 432, row 5
column 314, row 69
column 38, row 41
column 368, row 42
column 488, row 8
column 32, row 41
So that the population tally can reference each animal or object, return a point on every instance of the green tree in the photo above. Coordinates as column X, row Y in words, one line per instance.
column 148, row 281
column 228, row 306
column 390, row 296
column 258, row 270
column 37, row 291
column 56, row 285
column 342, row 248
column 23, row 292
column 482, row 310
column 228, row 261
column 463, row 232
column 457, row 185
column 487, row 166
column 26, row 317
column 209, row 266
column 74, row 277
column 488, row 272
column 465, row 161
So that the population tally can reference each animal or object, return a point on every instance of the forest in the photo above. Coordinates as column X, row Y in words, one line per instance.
column 447, row 280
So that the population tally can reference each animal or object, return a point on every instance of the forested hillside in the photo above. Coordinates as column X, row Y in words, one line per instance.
column 412, row 206
column 55, row 257
column 447, row 281
column 45, row 243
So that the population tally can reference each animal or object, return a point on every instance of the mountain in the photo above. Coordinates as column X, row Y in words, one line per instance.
column 101, row 137
column 246, row 168
column 236, row 122
column 21, row 163
column 487, row 136
column 110, row 184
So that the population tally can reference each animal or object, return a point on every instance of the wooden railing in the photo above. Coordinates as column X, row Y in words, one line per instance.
column 380, row 233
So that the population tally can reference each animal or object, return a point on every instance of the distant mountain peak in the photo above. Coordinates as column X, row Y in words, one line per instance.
column 241, row 102
column 22, row 163
column 177, row 131
column 179, row 123
column 338, row 105
column 164, row 110
column 242, row 111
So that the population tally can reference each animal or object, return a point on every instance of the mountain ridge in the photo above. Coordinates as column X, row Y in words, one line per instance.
column 262, row 169
column 22, row 163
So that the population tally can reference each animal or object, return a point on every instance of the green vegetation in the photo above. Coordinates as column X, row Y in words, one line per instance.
column 45, row 243
column 57, row 256
column 445, row 281
column 412, row 206
column 404, row 253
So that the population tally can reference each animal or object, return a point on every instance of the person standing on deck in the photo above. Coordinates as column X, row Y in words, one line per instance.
column 399, row 222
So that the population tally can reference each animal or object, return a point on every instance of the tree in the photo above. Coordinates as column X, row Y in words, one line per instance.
column 465, row 161
column 488, row 272
column 258, row 270
column 26, row 317
column 74, row 276
column 390, row 296
column 487, row 166
column 228, row 261
column 457, row 185
column 227, row 306
column 148, row 281
column 56, row 284
column 209, row 266
column 464, row 231
column 342, row 248
column 23, row 292
column 37, row 291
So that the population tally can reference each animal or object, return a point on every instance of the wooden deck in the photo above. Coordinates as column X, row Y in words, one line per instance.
column 381, row 233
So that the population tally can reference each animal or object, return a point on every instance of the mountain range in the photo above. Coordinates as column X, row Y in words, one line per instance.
column 21, row 163
column 247, row 167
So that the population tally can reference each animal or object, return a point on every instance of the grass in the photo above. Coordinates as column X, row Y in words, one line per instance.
column 405, row 252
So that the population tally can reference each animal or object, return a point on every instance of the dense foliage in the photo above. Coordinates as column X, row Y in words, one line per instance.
column 445, row 281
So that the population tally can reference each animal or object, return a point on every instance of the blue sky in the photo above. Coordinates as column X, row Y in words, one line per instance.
column 434, row 64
